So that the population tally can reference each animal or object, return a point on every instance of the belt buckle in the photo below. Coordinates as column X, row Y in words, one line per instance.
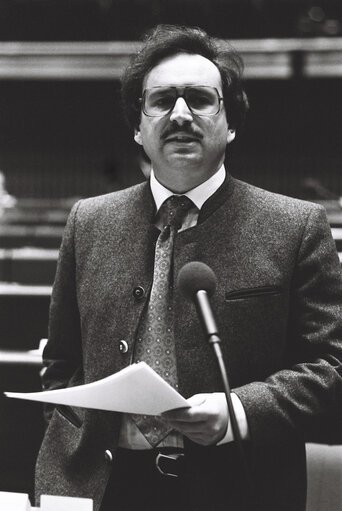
column 173, row 457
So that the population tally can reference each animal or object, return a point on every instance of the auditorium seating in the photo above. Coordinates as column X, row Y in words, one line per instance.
column 21, row 424
column 28, row 265
column 31, row 235
column 23, row 315
column 29, row 242
column 23, row 322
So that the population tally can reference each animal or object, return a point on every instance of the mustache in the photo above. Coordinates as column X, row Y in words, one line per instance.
column 184, row 130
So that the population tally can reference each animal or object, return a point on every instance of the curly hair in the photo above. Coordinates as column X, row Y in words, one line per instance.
column 166, row 40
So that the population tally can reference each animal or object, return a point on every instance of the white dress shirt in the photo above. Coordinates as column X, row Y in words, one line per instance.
column 130, row 435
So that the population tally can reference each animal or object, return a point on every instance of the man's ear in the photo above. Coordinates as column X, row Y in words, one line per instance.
column 137, row 137
column 231, row 135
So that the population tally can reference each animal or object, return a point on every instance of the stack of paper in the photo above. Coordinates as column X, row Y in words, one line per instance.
column 135, row 389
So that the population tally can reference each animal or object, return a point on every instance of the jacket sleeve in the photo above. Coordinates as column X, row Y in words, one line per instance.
column 305, row 397
column 62, row 357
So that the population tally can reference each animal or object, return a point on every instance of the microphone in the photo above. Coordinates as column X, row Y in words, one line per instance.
column 197, row 282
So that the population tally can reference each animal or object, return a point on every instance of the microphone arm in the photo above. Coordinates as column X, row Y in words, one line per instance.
column 206, row 316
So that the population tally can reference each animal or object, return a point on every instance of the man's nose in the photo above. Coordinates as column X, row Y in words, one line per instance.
column 181, row 112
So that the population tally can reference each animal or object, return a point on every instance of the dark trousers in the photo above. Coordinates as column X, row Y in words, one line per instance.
column 203, row 484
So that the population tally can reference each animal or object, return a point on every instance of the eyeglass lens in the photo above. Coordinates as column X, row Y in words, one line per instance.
column 160, row 101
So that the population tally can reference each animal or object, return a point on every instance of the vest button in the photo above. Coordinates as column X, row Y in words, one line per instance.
column 138, row 292
column 108, row 456
column 123, row 346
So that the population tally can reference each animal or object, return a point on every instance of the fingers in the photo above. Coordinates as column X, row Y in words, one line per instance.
column 197, row 399
column 205, row 422
column 193, row 414
column 190, row 415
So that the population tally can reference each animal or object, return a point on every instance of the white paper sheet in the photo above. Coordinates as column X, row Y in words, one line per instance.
column 135, row 389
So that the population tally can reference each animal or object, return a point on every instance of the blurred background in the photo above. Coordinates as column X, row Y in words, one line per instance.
column 62, row 137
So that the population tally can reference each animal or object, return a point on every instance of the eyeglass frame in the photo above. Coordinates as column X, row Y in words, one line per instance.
column 184, row 87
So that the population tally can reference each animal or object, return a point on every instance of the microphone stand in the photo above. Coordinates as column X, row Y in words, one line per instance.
column 206, row 315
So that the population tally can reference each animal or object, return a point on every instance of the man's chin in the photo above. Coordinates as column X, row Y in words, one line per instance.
column 184, row 157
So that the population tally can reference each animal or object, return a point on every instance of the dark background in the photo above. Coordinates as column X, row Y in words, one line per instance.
column 107, row 20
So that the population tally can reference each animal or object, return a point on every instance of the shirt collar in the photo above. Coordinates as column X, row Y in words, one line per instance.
column 199, row 195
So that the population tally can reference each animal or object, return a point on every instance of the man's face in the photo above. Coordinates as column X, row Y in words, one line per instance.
column 185, row 148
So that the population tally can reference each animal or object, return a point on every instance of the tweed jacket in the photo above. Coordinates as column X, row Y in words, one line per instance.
column 279, row 310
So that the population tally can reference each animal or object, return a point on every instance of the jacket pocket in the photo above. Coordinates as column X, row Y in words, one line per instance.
column 68, row 413
column 251, row 292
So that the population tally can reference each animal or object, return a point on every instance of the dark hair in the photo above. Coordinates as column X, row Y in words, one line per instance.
column 166, row 40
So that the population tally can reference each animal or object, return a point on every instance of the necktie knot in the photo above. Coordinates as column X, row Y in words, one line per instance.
column 177, row 207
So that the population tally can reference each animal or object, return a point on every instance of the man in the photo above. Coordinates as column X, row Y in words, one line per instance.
column 116, row 301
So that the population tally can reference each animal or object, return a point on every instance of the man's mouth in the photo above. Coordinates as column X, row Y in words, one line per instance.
column 182, row 138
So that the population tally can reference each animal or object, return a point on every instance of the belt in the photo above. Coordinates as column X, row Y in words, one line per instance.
column 168, row 461
column 170, row 465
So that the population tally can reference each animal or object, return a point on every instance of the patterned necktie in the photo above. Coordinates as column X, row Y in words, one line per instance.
column 155, row 339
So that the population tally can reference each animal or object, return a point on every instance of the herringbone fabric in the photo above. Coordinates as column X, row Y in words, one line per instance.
column 155, row 339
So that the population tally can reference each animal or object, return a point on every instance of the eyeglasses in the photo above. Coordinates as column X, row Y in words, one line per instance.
column 200, row 99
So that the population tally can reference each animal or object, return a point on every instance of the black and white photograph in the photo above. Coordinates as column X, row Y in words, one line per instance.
column 170, row 255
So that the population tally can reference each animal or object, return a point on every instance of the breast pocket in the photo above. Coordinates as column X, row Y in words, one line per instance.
column 254, row 325
column 253, row 292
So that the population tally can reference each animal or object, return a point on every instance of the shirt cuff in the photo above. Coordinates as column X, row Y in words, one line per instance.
column 241, row 420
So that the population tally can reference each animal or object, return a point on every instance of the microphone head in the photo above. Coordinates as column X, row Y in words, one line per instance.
column 196, row 276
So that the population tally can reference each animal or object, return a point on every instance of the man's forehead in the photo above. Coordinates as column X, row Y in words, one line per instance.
column 183, row 69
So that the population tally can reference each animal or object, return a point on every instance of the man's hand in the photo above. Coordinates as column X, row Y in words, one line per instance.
column 205, row 422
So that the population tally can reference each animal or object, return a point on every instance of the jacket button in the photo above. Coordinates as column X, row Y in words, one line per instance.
column 108, row 456
column 123, row 346
column 138, row 292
